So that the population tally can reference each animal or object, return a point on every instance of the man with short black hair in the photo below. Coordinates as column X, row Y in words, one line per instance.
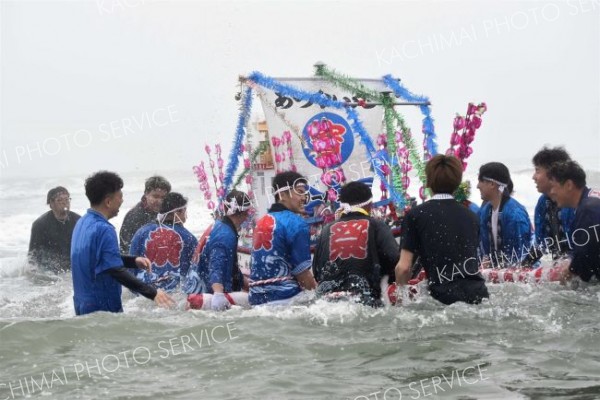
column 99, row 270
column 356, row 251
column 551, row 222
column 50, row 242
column 144, row 212
column 569, row 189
column 281, row 260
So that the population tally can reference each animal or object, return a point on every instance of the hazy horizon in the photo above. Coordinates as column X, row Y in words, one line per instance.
column 142, row 86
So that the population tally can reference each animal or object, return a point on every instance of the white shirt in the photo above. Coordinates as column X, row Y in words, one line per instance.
column 495, row 214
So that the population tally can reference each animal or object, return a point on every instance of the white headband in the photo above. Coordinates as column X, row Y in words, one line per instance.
column 501, row 186
column 283, row 189
column 290, row 188
column 233, row 207
column 161, row 217
column 347, row 208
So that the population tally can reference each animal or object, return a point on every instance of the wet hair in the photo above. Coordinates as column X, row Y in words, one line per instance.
column 355, row 193
column 287, row 178
column 54, row 192
column 100, row 185
column 156, row 182
column 172, row 201
column 548, row 156
column 568, row 170
column 498, row 172
column 444, row 173
column 239, row 198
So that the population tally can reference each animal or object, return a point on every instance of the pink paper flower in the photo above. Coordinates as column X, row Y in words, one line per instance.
column 455, row 139
column 459, row 123
column 471, row 109
column 475, row 122
column 405, row 182
column 332, row 195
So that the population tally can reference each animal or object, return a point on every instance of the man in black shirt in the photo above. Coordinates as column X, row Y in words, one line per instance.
column 445, row 235
column 50, row 242
column 354, row 252
column 144, row 212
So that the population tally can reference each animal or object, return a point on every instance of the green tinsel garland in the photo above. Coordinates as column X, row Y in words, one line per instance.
column 409, row 143
column 390, row 114
column 349, row 84
column 397, row 174
column 245, row 172
column 463, row 192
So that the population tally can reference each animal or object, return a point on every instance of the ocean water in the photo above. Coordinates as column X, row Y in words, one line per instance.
column 527, row 341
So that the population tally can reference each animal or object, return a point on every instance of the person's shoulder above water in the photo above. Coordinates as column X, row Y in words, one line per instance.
column 222, row 233
column 42, row 219
column 135, row 212
column 277, row 207
column 541, row 203
column 445, row 206
column 150, row 226
column 226, row 226
column 285, row 214
column 512, row 206
column 94, row 218
column 431, row 205
column 73, row 216
column 378, row 223
column 590, row 204
column 462, row 210
column 590, row 196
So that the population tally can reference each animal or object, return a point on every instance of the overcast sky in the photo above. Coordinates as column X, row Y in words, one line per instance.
column 132, row 85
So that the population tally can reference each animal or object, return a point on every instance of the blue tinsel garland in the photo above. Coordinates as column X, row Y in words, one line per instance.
column 234, row 155
column 322, row 100
column 404, row 93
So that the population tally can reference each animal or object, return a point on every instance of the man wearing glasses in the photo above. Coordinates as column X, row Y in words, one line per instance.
column 145, row 212
column 50, row 243
column 281, row 264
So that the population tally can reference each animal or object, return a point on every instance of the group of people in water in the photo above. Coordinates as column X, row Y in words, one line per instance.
column 353, row 255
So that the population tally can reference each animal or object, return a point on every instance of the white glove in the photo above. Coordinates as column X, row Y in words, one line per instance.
column 219, row 302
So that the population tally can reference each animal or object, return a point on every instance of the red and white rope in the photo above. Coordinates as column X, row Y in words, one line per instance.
column 270, row 280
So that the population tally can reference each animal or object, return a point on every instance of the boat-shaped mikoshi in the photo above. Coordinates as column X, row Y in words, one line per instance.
column 333, row 129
